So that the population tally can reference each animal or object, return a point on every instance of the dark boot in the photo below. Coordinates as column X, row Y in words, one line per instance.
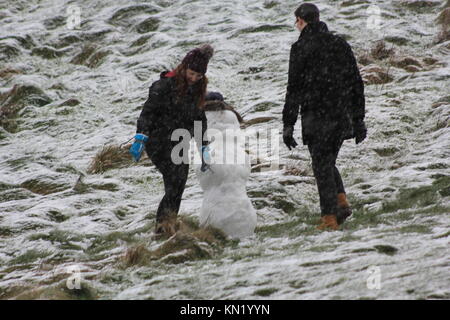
column 344, row 211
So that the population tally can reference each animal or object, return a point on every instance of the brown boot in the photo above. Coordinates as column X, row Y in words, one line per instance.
column 344, row 211
column 328, row 222
column 167, row 228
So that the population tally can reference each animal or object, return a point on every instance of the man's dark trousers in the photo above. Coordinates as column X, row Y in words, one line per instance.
column 324, row 153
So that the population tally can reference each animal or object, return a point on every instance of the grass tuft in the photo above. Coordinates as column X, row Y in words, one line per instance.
column 380, row 52
column 188, row 242
column 265, row 292
column 110, row 157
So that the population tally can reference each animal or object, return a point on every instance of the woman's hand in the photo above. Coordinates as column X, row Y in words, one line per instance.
column 138, row 146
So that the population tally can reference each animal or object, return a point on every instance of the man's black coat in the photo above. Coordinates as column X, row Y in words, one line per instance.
column 325, row 81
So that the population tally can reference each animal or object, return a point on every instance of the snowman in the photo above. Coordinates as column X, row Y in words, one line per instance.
column 226, row 205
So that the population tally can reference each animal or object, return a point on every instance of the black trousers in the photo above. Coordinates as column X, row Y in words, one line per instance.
column 324, row 153
column 174, row 177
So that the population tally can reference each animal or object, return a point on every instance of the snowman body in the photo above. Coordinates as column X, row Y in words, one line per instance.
column 226, row 205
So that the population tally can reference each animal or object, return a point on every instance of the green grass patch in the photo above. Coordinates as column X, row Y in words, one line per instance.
column 291, row 228
column 424, row 200
column 264, row 106
column 297, row 284
column 415, row 229
column 245, row 255
column 324, row 248
column 445, row 235
column 109, row 241
column 5, row 232
column 363, row 250
column 338, row 282
column 30, row 256
column 56, row 216
column 263, row 28
column 238, row 284
column 121, row 212
column 43, row 186
column 323, row 262
column 347, row 237
column 386, row 249
column 386, row 152
column 106, row 187
column 265, row 292
column 363, row 218
column 55, row 236
column 419, row 197
column 63, row 239
column 270, row 4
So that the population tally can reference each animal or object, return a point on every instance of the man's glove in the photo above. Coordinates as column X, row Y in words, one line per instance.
column 206, row 158
column 288, row 139
column 138, row 146
column 360, row 130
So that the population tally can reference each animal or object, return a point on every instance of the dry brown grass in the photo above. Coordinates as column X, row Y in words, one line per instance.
column 254, row 121
column 210, row 235
column 373, row 74
column 365, row 58
column 110, row 157
column 403, row 62
column 442, row 36
column 56, row 291
column 12, row 101
column 444, row 18
column 380, row 52
column 188, row 242
column 87, row 51
column 136, row 255
column 9, row 72
column 296, row 168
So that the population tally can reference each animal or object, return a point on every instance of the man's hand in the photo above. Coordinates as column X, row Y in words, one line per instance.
column 288, row 139
column 360, row 130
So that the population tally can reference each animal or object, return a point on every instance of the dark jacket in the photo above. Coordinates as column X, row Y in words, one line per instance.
column 325, row 81
column 162, row 114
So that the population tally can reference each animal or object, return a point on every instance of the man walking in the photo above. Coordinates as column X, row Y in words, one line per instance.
column 324, row 80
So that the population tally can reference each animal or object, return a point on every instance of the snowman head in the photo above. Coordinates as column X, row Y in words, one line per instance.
column 217, row 105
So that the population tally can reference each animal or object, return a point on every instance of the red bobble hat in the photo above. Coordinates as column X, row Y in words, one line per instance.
column 197, row 59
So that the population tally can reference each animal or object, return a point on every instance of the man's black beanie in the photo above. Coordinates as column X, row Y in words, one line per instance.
column 308, row 12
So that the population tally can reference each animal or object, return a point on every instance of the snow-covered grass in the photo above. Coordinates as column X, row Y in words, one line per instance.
column 75, row 91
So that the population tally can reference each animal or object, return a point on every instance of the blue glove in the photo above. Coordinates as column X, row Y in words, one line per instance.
column 206, row 158
column 138, row 146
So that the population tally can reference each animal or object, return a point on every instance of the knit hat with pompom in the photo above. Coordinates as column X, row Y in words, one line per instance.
column 197, row 59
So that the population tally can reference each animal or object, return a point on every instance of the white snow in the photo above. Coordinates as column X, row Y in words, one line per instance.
column 249, row 68
column 226, row 205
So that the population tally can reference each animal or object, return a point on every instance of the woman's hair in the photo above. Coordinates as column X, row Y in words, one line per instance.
column 199, row 88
